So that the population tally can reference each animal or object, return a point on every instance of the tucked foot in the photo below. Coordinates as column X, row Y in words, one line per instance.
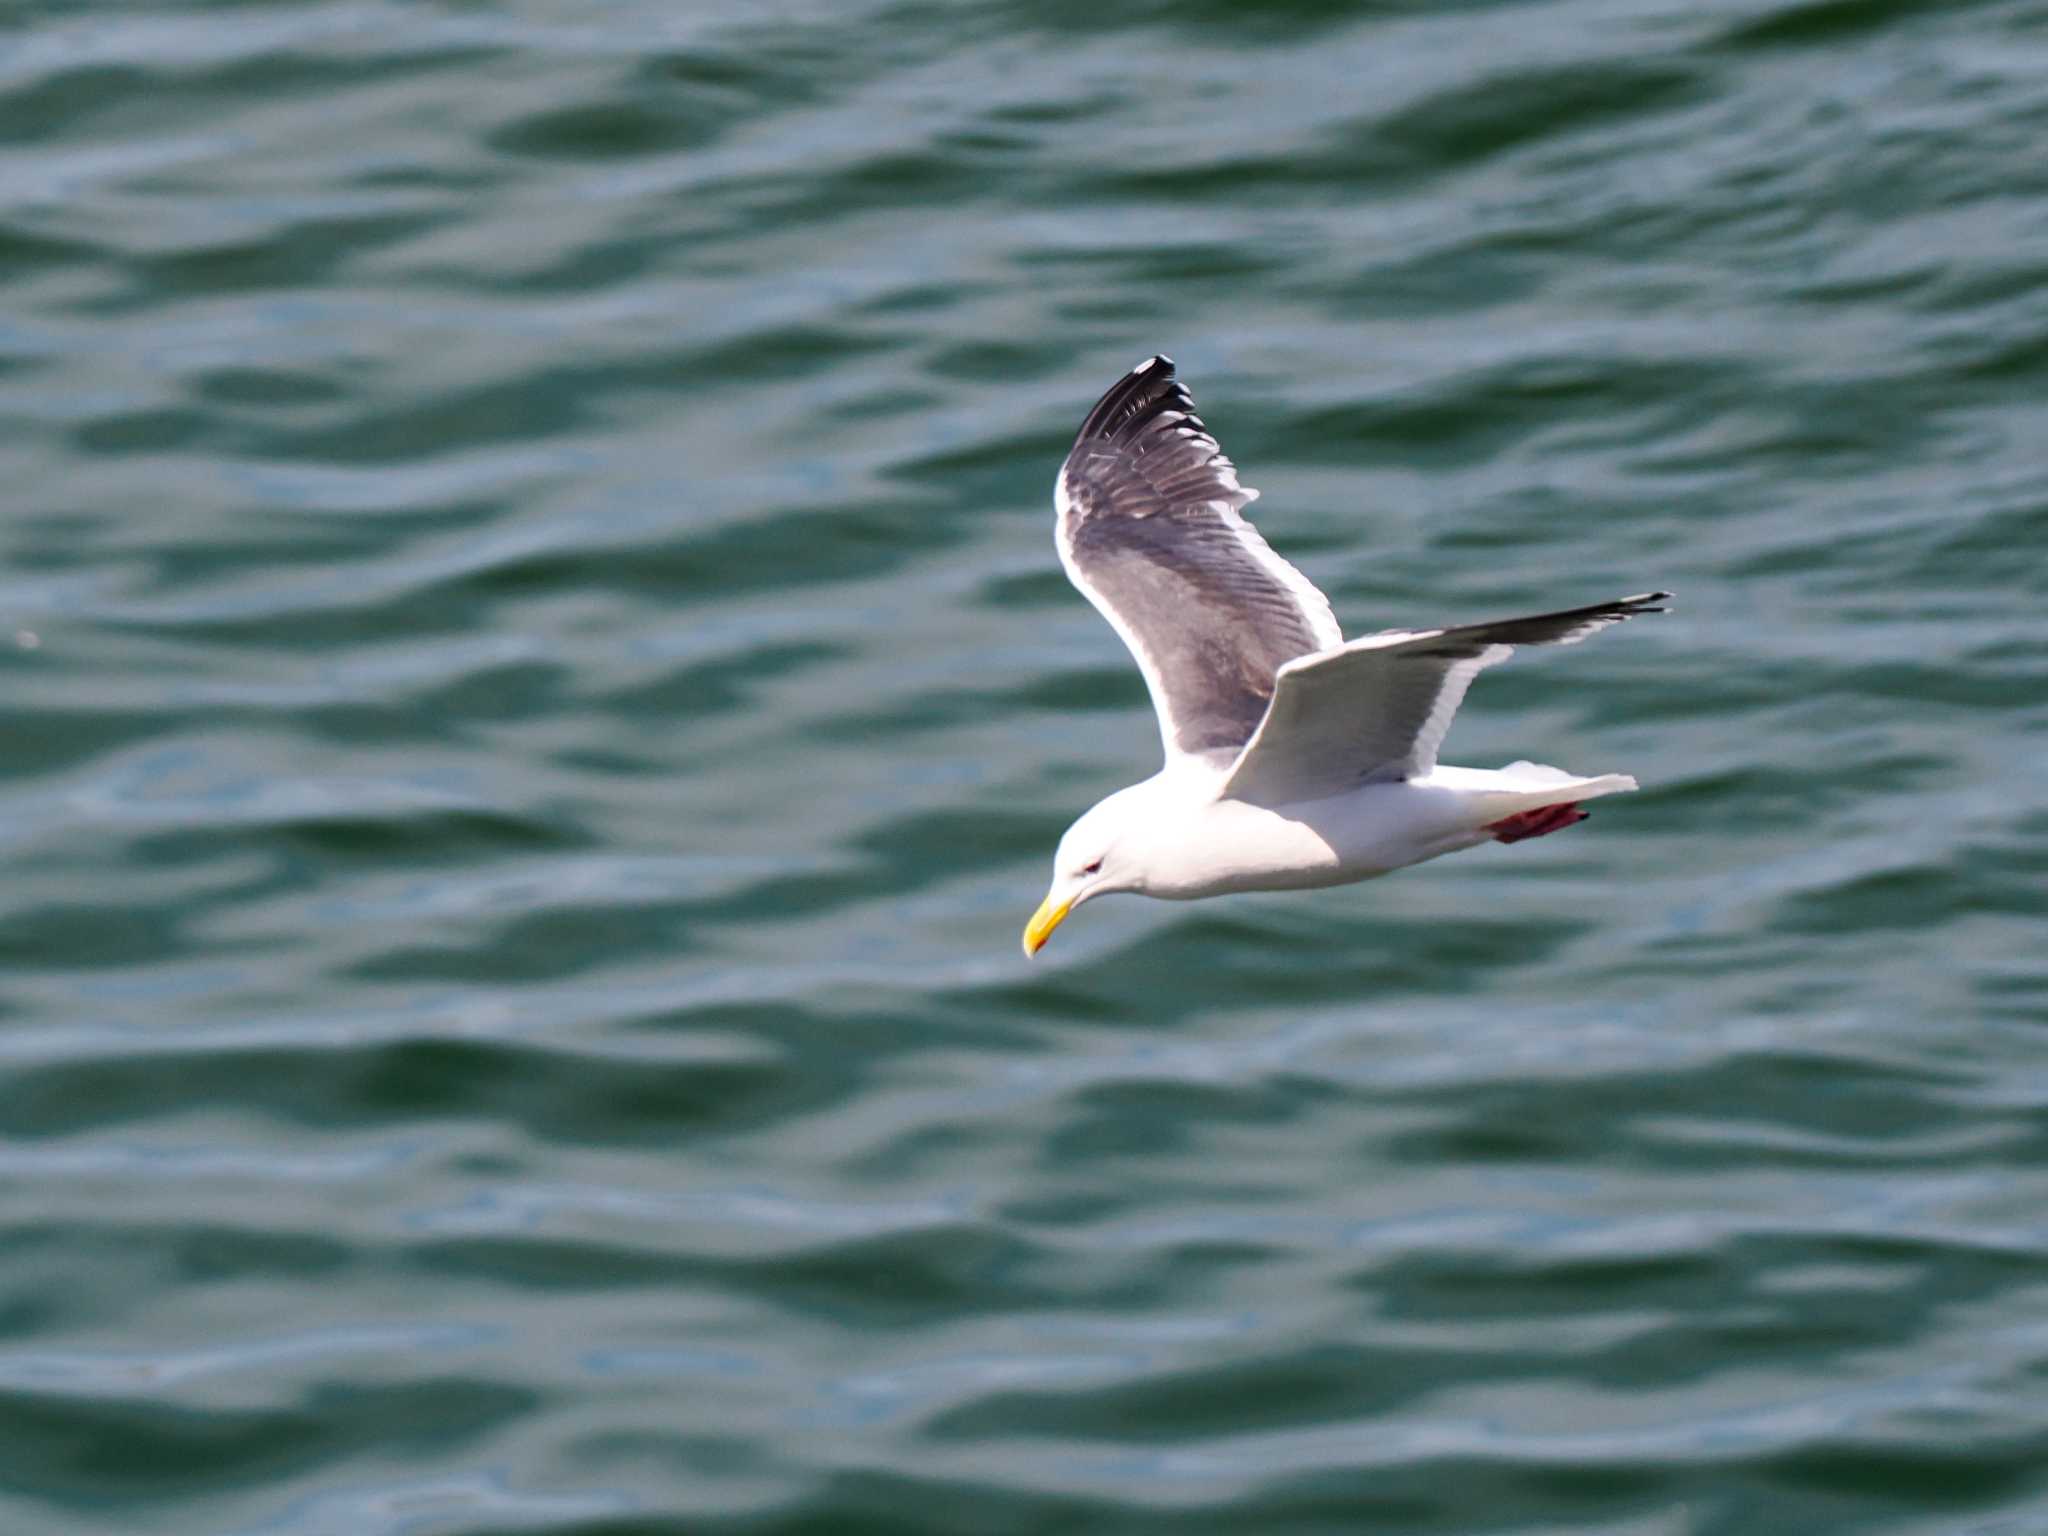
column 1537, row 823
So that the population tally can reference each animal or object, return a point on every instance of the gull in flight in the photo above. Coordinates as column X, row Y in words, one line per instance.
column 1294, row 757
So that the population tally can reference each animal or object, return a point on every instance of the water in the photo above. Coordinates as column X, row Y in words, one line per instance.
column 539, row 698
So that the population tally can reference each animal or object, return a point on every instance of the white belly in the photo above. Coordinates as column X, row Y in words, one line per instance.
column 1231, row 845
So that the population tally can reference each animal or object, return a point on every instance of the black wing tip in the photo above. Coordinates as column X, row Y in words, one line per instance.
column 1135, row 399
column 1568, row 626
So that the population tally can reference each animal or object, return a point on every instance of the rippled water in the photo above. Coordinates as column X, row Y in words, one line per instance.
column 539, row 698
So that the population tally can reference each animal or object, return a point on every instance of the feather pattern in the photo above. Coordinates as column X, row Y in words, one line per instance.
column 1151, row 530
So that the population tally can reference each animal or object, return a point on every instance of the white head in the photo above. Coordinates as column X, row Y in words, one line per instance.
column 1102, row 853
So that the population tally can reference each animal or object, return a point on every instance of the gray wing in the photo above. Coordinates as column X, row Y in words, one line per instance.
column 1377, row 709
column 1149, row 529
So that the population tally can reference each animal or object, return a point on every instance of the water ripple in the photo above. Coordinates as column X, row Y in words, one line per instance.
column 541, row 697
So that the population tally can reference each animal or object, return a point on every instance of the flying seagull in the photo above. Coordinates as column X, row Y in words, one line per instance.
column 1294, row 757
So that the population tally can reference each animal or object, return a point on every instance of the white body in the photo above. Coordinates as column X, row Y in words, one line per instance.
column 1187, row 841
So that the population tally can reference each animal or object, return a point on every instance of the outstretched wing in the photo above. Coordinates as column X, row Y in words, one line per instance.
column 1378, row 708
column 1150, row 530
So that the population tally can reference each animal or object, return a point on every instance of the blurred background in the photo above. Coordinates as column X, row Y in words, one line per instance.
column 538, row 697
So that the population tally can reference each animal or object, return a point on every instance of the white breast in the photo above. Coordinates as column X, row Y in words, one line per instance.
column 1230, row 845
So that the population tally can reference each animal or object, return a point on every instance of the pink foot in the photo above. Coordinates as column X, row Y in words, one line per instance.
column 1537, row 823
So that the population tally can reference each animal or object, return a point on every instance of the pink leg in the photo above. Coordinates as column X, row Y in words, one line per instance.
column 1537, row 823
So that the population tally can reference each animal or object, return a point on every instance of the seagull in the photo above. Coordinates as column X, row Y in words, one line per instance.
column 1294, row 758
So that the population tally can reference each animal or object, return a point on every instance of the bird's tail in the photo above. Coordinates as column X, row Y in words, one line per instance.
column 1531, row 786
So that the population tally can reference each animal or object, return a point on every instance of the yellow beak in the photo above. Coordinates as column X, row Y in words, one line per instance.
column 1048, row 917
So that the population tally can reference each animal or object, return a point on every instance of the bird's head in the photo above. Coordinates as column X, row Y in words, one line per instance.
column 1098, row 856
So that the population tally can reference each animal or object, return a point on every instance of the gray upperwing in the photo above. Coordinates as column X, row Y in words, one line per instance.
column 1150, row 530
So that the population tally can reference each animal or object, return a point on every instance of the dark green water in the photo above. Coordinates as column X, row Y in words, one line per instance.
column 538, row 698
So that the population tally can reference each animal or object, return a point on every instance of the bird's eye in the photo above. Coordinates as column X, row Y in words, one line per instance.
column 1089, row 869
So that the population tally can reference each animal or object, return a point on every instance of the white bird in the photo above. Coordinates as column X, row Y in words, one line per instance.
column 1293, row 757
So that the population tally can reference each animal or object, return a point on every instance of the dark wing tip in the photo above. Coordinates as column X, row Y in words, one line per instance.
column 1602, row 614
column 1135, row 399
column 1565, row 627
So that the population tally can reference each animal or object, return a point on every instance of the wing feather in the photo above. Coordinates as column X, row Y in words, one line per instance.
column 1151, row 530
column 1379, row 708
